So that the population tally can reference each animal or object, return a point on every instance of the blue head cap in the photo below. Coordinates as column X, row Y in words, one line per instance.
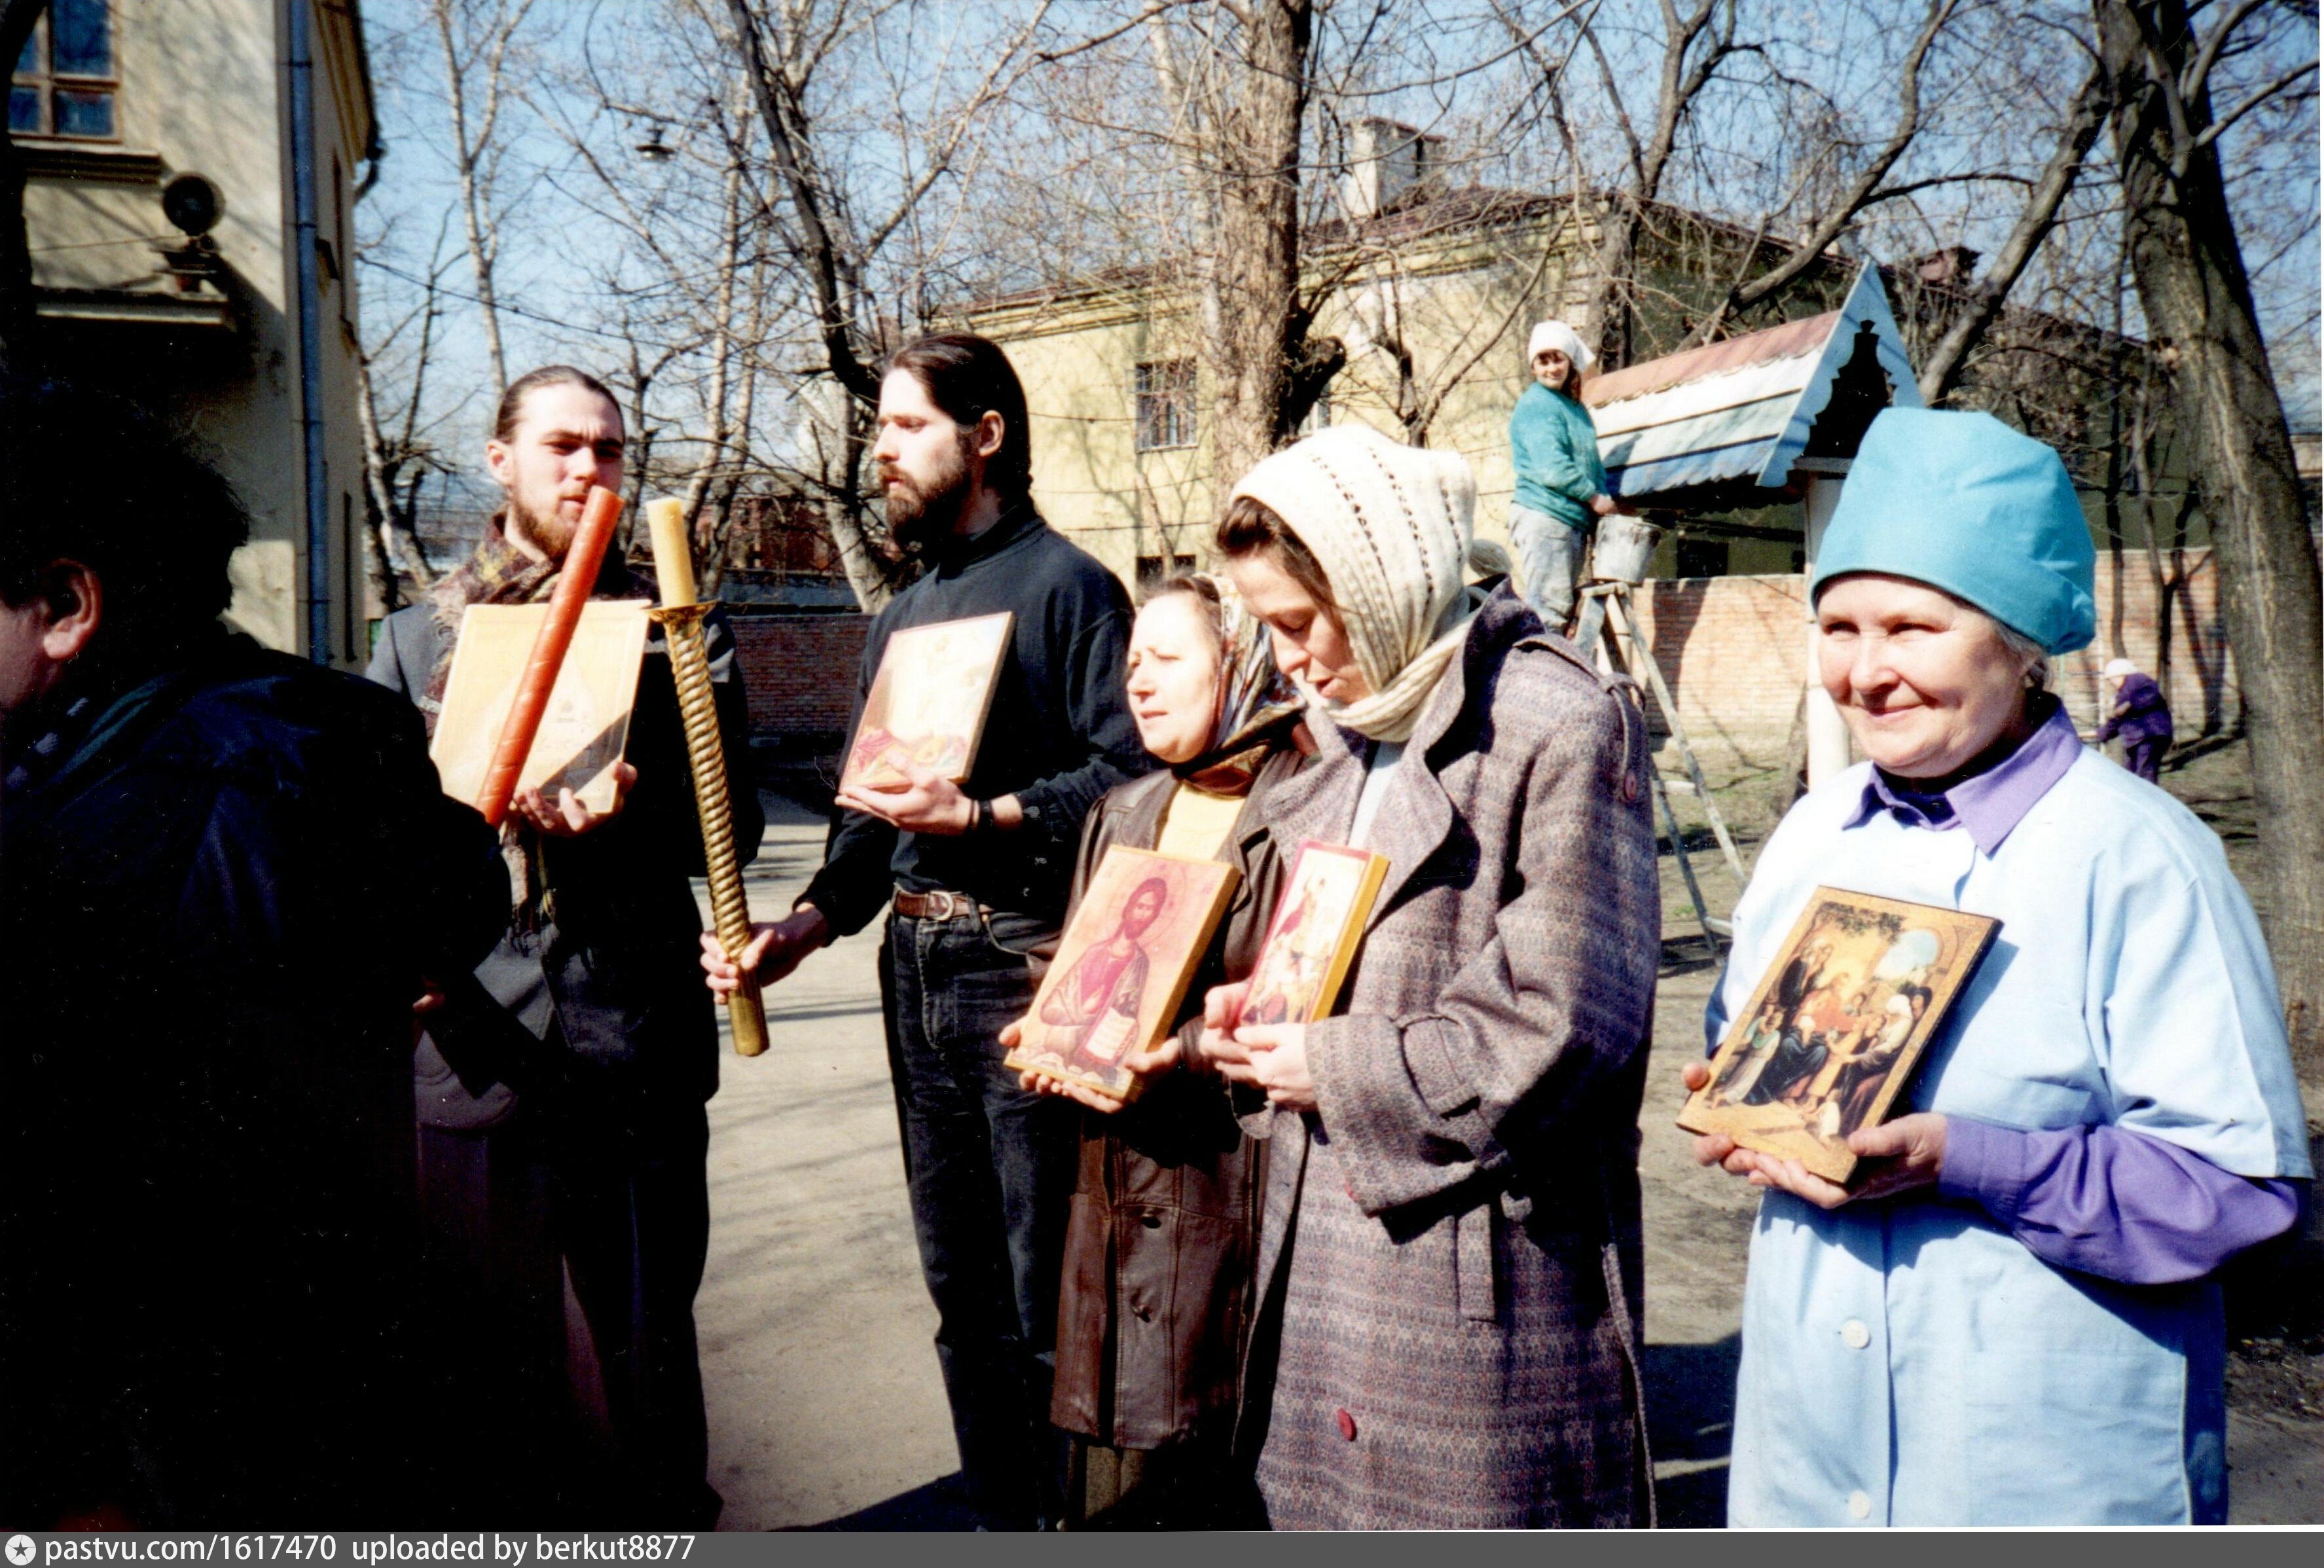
column 1963, row 502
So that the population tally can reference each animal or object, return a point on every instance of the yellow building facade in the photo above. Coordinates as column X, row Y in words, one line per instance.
column 113, row 106
column 1434, row 307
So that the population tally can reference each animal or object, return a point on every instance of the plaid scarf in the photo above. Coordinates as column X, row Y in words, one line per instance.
column 500, row 574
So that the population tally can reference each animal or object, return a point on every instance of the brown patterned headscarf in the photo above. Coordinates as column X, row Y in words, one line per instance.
column 1256, row 706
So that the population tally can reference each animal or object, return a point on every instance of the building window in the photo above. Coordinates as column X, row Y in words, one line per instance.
column 1165, row 404
column 1702, row 558
column 65, row 81
column 1318, row 416
column 1153, row 571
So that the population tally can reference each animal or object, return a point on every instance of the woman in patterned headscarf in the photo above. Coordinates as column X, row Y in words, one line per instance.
column 1155, row 1303
column 1450, row 1253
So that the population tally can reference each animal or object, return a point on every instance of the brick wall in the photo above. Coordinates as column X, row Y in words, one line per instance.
column 1734, row 651
column 800, row 671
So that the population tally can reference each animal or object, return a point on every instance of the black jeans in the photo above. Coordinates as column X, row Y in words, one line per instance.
column 613, row 1188
column 990, row 1167
column 633, row 1218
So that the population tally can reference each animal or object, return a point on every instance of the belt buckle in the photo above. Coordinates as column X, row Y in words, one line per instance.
column 947, row 905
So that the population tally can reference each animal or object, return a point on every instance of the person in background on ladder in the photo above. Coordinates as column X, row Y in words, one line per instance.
column 1561, row 490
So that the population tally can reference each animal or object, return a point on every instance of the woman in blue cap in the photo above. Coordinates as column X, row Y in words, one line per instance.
column 2011, row 1320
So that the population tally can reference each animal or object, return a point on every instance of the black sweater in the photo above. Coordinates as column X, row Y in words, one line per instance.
column 1059, row 733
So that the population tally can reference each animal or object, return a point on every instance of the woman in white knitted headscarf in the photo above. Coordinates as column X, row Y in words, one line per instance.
column 1448, row 1257
column 1560, row 484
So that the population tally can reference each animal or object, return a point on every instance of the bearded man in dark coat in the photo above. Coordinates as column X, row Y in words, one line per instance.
column 562, row 1088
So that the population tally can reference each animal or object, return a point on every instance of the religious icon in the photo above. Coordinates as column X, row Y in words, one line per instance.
column 927, row 702
column 1319, row 923
column 586, row 725
column 1838, row 1022
column 1123, row 966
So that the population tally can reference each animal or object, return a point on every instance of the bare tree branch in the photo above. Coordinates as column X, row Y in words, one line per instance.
column 2085, row 118
column 1861, row 191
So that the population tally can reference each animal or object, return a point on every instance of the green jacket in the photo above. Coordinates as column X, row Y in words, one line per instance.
column 1554, row 447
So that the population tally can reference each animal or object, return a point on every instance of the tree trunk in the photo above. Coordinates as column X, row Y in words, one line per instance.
column 819, row 247
column 1609, row 322
column 1256, row 326
column 19, row 319
column 2191, row 280
column 871, row 584
column 834, row 438
column 379, row 500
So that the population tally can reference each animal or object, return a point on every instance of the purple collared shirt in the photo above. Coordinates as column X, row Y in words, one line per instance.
column 1991, row 805
column 2103, row 1200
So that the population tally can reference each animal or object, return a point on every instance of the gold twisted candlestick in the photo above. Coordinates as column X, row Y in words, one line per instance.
column 690, row 664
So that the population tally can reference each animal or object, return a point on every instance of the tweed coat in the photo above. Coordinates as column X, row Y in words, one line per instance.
column 1449, row 1245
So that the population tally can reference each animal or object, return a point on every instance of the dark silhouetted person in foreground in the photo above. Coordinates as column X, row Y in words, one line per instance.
column 225, row 876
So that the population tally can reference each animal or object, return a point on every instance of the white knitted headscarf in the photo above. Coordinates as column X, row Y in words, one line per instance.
column 1389, row 525
column 1557, row 335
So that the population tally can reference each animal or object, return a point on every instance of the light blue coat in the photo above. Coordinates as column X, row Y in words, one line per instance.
column 1907, row 1361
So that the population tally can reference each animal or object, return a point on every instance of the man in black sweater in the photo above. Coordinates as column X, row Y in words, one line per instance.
column 977, row 875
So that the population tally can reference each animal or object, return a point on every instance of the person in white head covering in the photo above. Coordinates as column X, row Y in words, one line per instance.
column 2138, row 717
column 1560, row 484
column 1449, row 1257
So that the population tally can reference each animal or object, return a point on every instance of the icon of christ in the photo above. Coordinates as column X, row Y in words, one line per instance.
column 1096, row 1011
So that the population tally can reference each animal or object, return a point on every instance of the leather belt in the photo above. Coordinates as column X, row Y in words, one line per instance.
column 939, row 905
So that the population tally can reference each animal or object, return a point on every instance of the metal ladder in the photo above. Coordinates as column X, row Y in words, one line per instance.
column 1608, row 629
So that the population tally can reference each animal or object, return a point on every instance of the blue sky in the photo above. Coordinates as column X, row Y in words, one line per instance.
column 559, row 260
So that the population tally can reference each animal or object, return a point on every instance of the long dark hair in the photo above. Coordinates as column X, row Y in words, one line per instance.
column 968, row 377
column 1250, row 528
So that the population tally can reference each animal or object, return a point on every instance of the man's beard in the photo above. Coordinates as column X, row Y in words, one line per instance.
column 551, row 534
column 920, row 518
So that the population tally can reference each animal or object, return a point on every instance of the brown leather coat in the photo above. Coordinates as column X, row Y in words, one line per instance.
column 1156, row 1298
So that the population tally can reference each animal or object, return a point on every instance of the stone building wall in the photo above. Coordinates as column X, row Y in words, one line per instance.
column 1733, row 650
column 801, row 672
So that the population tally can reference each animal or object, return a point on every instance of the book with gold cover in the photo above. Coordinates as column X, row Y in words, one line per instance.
column 586, row 725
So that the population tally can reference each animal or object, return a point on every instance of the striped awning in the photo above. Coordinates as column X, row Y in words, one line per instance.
column 1743, row 410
